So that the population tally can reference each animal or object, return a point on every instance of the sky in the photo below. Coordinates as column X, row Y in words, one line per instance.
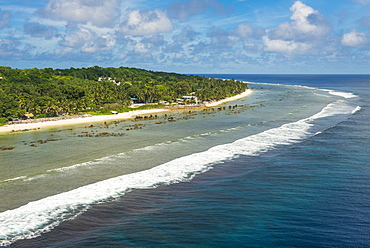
column 189, row 36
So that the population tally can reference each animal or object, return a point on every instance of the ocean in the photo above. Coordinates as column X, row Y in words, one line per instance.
column 287, row 166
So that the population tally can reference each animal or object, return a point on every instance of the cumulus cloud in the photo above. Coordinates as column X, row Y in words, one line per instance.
column 39, row 31
column 355, row 39
column 307, row 28
column 146, row 23
column 88, row 41
column 78, row 38
column 284, row 46
column 101, row 13
column 4, row 18
column 306, row 23
column 183, row 10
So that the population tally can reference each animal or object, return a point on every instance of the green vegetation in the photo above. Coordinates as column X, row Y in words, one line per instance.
column 51, row 92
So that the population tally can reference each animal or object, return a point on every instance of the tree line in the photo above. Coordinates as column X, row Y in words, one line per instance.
column 51, row 92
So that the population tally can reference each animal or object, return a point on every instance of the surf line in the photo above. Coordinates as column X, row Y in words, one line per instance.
column 37, row 217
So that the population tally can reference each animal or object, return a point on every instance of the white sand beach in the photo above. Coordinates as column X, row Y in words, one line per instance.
column 229, row 99
column 100, row 118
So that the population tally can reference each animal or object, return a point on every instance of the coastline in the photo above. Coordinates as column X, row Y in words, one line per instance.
column 229, row 99
column 100, row 118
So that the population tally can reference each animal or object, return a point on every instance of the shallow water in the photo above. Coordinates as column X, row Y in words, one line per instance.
column 270, row 175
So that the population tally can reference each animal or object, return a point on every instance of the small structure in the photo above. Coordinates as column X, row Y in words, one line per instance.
column 28, row 116
column 134, row 100
column 190, row 98
column 179, row 101
column 100, row 79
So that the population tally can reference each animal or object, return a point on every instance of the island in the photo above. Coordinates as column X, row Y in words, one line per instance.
column 79, row 95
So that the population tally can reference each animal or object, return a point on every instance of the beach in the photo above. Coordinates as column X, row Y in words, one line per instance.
column 101, row 118
column 229, row 99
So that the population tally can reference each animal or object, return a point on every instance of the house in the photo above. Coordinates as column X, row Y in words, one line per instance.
column 190, row 98
column 100, row 79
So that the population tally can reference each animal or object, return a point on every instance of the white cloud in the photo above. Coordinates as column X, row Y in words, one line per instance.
column 356, row 39
column 306, row 23
column 78, row 38
column 146, row 23
column 88, row 41
column 104, row 43
column 305, row 33
column 101, row 13
column 283, row 46
column 142, row 48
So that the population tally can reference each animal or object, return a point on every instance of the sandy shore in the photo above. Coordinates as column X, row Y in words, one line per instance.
column 229, row 99
column 100, row 118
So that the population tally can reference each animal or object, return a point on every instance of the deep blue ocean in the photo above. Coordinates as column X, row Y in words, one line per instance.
column 314, row 192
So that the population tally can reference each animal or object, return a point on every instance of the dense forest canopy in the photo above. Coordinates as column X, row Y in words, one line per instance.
column 52, row 92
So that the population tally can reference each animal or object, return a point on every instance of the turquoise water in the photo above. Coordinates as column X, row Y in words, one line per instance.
column 288, row 168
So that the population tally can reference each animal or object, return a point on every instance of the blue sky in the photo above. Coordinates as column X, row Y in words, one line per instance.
column 188, row 36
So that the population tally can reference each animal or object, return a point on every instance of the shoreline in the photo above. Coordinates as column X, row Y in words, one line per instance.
column 101, row 118
column 229, row 99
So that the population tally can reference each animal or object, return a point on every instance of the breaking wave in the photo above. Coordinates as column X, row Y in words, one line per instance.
column 37, row 217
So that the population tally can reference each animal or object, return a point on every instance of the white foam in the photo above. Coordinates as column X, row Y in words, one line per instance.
column 332, row 92
column 67, row 168
column 341, row 94
column 33, row 178
column 13, row 179
column 43, row 215
column 358, row 108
